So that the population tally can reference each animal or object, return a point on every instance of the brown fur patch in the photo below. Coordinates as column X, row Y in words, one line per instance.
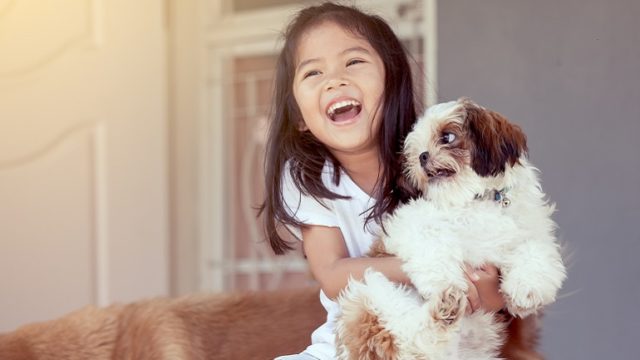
column 368, row 339
column 258, row 325
column 522, row 339
column 378, row 249
column 459, row 148
column 495, row 141
column 241, row 326
column 456, row 129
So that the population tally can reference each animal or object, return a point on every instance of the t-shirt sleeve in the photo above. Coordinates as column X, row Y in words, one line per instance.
column 305, row 208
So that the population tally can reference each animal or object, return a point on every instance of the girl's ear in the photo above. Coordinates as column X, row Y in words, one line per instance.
column 495, row 142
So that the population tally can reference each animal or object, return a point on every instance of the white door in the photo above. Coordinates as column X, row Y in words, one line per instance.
column 83, row 155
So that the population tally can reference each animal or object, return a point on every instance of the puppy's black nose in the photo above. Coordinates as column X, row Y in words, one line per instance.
column 424, row 157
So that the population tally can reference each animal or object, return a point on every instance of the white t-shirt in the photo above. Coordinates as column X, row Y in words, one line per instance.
column 349, row 216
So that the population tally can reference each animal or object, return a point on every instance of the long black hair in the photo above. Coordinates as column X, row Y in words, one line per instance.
column 304, row 153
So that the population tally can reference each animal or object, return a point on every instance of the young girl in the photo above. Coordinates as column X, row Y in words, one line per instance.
column 343, row 106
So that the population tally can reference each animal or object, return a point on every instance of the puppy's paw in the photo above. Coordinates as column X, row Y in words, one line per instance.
column 449, row 306
column 525, row 296
column 523, row 306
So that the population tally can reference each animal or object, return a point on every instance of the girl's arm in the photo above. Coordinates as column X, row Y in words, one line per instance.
column 331, row 265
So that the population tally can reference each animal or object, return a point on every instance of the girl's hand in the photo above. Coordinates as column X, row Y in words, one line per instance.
column 484, row 289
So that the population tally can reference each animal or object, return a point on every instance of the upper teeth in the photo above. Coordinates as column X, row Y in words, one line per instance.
column 341, row 104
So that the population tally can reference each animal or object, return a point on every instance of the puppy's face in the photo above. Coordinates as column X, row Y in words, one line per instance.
column 458, row 139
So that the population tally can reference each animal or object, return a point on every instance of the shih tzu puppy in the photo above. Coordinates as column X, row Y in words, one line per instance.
column 481, row 203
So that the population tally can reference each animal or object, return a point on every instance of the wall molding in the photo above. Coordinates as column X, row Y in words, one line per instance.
column 100, row 232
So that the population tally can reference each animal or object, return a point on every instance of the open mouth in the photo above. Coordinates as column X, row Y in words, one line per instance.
column 344, row 110
column 439, row 173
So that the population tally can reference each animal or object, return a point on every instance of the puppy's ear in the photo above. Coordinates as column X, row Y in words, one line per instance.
column 495, row 142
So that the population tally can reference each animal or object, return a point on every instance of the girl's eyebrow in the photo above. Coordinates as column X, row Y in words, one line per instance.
column 356, row 49
column 359, row 49
column 306, row 62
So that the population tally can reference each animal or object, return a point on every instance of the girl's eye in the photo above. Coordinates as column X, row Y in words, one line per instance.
column 354, row 62
column 311, row 73
column 448, row 138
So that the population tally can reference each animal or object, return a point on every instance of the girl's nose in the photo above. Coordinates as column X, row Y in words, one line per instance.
column 335, row 83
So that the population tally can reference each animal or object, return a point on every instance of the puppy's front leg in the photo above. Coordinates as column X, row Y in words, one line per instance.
column 442, row 285
column 422, row 236
column 533, row 277
column 437, row 275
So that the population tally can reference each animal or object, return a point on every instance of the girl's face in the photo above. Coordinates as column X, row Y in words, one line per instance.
column 339, row 85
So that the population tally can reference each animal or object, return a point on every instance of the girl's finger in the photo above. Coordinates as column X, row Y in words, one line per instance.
column 472, row 292
column 471, row 273
column 490, row 269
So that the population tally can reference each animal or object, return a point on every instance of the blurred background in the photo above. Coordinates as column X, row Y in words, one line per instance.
column 132, row 135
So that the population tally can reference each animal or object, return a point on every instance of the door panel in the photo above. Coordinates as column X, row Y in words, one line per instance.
column 83, row 199
column 35, row 265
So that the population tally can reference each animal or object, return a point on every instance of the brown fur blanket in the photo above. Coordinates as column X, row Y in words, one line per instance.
column 243, row 326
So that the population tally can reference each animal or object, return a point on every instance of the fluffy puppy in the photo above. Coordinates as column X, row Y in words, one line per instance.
column 241, row 326
column 481, row 203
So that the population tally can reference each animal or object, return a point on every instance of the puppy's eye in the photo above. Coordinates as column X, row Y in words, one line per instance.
column 448, row 138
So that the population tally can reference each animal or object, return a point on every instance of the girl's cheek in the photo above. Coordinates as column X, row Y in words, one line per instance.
column 313, row 83
column 305, row 86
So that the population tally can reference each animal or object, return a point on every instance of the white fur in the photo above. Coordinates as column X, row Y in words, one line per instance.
column 437, row 234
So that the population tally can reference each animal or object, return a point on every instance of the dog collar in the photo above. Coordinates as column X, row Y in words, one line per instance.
column 499, row 196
